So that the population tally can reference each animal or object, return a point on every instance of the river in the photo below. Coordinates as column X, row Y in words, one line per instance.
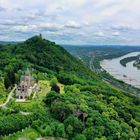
column 128, row 74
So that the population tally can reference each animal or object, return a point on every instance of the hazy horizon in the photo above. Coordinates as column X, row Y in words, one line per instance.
column 80, row 45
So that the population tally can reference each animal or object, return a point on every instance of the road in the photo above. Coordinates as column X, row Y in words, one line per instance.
column 8, row 98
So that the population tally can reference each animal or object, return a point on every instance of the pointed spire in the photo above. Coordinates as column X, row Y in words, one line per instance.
column 27, row 71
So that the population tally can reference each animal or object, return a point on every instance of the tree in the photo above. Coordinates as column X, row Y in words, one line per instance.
column 113, row 129
column 55, row 88
column 60, row 131
column 76, row 124
column 79, row 137
column 61, row 110
column 51, row 96
column 7, row 82
column 102, row 138
column 89, row 133
column 11, row 76
column 53, row 81
column 48, row 131
column 8, row 123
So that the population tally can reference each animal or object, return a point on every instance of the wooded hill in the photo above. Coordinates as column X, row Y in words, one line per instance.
column 42, row 55
column 89, row 109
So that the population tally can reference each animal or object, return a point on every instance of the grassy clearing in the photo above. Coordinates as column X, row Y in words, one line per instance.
column 31, row 105
column 61, row 88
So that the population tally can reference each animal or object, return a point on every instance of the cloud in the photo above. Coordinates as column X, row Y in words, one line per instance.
column 24, row 28
column 124, row 27
column 11, row 23
column 2, row 9
column 116, row 33
column 74, row 21
column 72, row 24
column 100, row 34
column 19, row 9
column 50, row 27
column 37, row 27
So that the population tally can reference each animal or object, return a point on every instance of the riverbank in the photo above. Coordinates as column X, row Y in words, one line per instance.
column 128, row 74
column 126, row 60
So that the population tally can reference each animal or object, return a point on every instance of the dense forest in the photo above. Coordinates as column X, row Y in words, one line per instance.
column 87, row 108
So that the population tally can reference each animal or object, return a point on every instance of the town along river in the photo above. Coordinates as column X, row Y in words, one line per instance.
column 128, row 74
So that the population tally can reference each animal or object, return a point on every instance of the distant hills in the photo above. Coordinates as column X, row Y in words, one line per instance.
column 8, row 42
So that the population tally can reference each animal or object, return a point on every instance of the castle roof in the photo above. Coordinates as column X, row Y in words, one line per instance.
column 27, row 71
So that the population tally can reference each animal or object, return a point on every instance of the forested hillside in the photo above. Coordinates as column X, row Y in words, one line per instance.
column 86, row 108
column 41, row 55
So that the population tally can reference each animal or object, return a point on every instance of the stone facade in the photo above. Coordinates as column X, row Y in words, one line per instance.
column 27, row 86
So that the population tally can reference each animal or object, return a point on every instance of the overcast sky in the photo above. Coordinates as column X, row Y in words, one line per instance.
column 72, row 21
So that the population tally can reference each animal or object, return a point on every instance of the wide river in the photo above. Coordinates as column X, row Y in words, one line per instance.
column 128, row 74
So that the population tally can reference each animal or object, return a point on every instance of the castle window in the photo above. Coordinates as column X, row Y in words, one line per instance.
column 21, row 97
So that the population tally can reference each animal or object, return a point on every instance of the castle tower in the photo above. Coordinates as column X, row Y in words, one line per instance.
column 40, row 35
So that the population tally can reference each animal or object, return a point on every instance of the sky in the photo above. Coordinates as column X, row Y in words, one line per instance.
column 94, row 22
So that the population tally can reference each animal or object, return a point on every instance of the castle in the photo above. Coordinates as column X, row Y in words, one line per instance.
column 27, row 86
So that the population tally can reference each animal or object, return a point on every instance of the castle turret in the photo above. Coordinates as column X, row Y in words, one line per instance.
column 40, row 35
